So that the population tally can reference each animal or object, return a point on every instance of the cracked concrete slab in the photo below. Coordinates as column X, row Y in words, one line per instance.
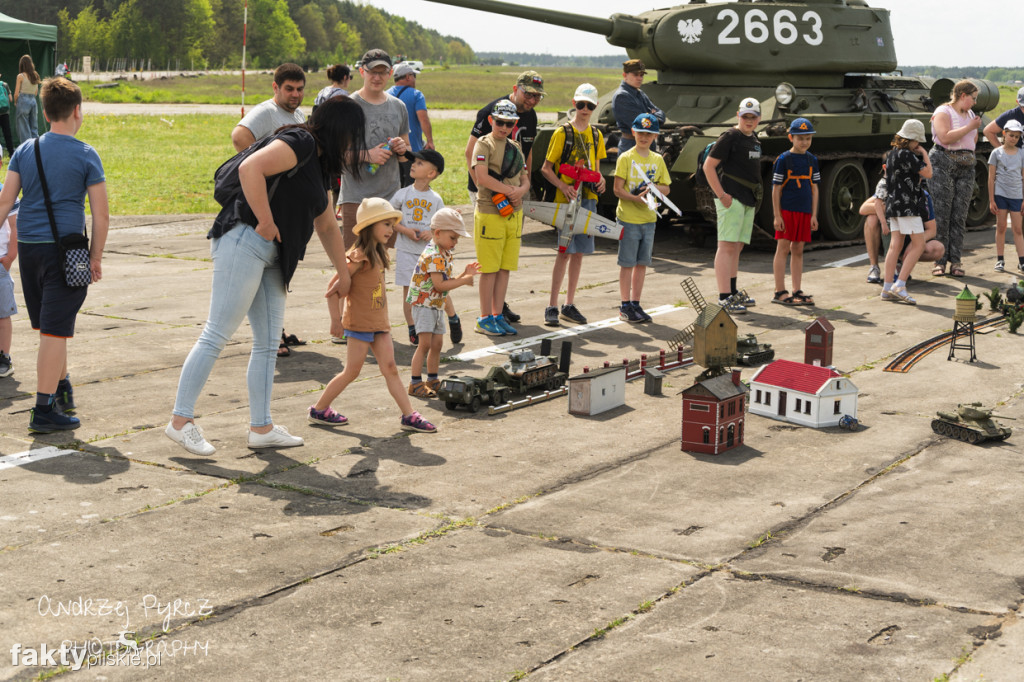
column 476, row 605
column 1001, row 660
column 725, row 628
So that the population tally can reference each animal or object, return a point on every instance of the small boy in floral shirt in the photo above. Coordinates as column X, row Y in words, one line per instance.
column 431, row 282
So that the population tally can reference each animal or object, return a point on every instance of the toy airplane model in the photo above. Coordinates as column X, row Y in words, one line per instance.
column 571, row 219
column 654, row 195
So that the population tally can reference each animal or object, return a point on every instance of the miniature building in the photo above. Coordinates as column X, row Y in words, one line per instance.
column 964, row 316
column 818, row 343
column 597, row 391
column 714, row 338
column 803, row 394
column 714, row 411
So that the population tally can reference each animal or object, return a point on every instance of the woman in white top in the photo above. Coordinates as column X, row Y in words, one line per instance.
column 954, row 134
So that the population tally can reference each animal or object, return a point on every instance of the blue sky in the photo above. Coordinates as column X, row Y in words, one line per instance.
column 943, row 32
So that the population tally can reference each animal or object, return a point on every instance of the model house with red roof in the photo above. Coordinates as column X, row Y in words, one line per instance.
column 713, row 414
column 808, row 395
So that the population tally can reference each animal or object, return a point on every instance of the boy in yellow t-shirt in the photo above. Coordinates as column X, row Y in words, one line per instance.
column 637, row 220
column 586, row 145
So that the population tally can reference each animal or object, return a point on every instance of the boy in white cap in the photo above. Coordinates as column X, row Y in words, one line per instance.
column 428, row 293
column 573, row 143
column 1006, row 191
column 737, row 188
column 503, row 179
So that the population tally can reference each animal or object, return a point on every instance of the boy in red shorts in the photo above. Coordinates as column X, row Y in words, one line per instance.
column 795, row 203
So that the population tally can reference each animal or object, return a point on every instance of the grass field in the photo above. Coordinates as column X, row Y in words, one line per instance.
column 463, row 87
column 156, row 168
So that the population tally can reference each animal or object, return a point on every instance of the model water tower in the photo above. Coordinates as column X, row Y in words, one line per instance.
column 964, row 316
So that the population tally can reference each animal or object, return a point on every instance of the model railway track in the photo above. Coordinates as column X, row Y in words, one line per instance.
column 910, row 357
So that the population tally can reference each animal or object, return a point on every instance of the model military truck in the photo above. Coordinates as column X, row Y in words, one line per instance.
column 831, row 61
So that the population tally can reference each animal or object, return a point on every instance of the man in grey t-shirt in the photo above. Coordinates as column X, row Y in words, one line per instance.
column 280, row 110
column 387, row 124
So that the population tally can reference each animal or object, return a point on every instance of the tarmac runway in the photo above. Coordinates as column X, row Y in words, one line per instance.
column 528, row 545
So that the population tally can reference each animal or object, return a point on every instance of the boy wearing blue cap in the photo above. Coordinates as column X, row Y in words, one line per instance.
column 637, row 220
column 795, row 205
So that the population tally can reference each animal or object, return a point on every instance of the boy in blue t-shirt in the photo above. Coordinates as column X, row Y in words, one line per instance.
column 71, row 169
column 795, row 181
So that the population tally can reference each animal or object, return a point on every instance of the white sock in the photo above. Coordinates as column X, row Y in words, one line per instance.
column 887, row 286
column 900, row 284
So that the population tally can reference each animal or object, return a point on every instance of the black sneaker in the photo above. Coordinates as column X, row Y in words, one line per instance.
column 507, row 313
column 65, row 399
column 570, row 313
column 551, row 316
column 627, row 313
column 48, row 422
column 455, row 325
column 6, row 366
column 644, row 317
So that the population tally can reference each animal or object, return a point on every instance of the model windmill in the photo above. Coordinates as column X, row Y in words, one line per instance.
column 713, row 334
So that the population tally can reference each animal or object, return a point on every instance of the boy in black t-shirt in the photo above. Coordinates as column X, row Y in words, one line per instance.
column 736, row 189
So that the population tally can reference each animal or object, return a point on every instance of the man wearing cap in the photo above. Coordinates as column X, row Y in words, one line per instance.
column 629, row 101
column 419, row 121
column 573, row 143
column 995, row 128
column 526, row 94
column 280, row 110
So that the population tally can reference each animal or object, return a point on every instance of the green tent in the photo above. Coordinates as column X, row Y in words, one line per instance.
column 19, row 38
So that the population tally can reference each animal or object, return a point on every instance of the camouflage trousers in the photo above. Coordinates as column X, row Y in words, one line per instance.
column 951, row 187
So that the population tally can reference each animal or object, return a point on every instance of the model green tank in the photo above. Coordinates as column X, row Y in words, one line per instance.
column 971, row 423
column 751, row 353
column 831, row 61
column 524, row 372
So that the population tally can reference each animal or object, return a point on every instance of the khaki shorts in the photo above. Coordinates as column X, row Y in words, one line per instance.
column 736, row 223
column 497, row 240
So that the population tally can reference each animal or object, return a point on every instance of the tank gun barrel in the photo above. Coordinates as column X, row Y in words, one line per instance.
column 621, row 30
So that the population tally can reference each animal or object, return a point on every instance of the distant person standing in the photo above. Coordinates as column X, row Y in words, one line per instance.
column 526, row 94
column 5, row 118
column 995, row 128
column 340, row 76
column 263, row 119
column 25, row 100
column 629, row 101
column 419, row 120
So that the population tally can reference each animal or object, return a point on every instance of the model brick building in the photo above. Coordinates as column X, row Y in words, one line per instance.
column 714, row 411
column 818, row 343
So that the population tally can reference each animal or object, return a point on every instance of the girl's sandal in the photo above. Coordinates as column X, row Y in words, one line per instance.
column 783, row 298
column 800, row 298
column 938, row 270
column 956, row 270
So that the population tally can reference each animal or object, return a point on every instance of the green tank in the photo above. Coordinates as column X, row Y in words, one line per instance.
column 831, row 61
column 971, row 423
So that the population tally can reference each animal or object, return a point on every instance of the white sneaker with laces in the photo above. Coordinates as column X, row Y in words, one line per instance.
column 1000, row 266
column 191, row 438
column 277, row 437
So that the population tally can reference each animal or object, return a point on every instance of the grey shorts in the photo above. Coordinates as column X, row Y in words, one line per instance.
column 428, row 320
column 8, row 306
column 405, row 265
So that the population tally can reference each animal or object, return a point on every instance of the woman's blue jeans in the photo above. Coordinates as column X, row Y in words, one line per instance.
column 247, row 281
column 27, row 117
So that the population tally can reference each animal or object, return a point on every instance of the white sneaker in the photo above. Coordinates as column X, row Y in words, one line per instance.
column 277, row 437
column 1000, row 266
column 191, row 438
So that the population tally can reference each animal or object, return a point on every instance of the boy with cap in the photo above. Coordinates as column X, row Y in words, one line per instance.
column 795, row 181
column 637, row 220
column 500, row 170
column 572, row 143
column 737, row 188
column 629, row 101
column 419, row 120
column 429, row 293
column 418, row 204
column 526, row 94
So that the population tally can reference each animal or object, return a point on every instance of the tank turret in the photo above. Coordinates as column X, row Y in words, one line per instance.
column 972, row 423
column 827, row 60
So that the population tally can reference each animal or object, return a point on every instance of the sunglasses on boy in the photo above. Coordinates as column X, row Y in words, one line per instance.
column 589, row 105
column 502, row 123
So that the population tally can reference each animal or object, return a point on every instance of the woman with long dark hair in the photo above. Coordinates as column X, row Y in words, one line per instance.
column 26, row 93
column 257, row 243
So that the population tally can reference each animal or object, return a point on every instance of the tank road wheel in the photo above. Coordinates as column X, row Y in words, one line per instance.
column 973, row 437
column 844, row 189
column 977, row 211
column 937, row 426
column 474, row 404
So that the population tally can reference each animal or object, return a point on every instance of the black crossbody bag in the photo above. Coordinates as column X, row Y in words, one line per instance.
column 74, row 248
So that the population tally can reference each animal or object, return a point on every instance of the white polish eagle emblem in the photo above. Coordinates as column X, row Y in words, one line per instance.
column 690, row 30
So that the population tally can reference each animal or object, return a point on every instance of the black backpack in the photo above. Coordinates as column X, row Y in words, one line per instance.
column 699, row 179
column 226, row 185
column 570, row 140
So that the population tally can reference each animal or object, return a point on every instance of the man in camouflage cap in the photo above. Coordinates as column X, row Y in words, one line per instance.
column 629, row 101
column 526, row 94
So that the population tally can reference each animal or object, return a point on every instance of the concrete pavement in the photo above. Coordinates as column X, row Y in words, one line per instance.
column 528, row 545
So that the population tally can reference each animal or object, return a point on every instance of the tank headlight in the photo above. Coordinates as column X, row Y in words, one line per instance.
column 784, row 94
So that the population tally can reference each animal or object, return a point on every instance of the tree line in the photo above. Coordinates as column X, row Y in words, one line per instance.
column 204, row 34
column 996, row 74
